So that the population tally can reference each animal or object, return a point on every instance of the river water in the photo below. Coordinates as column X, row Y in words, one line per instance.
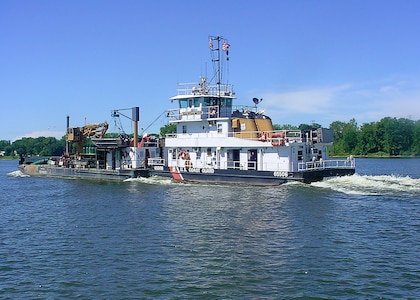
column 345, row 238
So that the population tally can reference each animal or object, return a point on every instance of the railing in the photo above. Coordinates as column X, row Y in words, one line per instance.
column 292, row 136
column 156, row 161
column 328, row 164
column 349, row 163
column 192, row 113
column 194, row 88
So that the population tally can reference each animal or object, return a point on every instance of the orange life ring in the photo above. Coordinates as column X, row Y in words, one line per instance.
column 181, row 154
column 213, row 111
column 277, row 139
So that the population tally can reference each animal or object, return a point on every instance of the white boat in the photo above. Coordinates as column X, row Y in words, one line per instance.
column 217, row 141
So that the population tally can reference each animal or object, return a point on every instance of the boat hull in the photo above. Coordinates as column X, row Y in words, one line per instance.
column 85, row 173
column 251, row 177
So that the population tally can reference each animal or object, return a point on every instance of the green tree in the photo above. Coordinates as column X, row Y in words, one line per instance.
column 39, row 146
column 350, row 135
column 405, row 135
column 368, row 139
column 168, row 129
column 4, row 144
column 415, row 146
column 21, row 146
column 309, row 126
column 284, row 127
column 338, row 129
column 396, row 135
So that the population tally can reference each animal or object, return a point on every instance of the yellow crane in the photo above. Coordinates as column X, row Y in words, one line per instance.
column 78, row 135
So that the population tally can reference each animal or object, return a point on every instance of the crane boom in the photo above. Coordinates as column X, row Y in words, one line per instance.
column 78, row 135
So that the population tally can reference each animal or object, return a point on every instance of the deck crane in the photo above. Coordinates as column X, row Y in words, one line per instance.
column 78, row 135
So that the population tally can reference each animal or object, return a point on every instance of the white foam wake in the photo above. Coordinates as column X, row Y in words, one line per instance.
column 17, row 174
column 152, row 180
column 372, row 185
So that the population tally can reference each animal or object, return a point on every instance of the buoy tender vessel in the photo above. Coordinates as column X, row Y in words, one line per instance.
column 215, row 142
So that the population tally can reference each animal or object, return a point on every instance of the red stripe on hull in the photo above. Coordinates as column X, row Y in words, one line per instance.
column 175, row 173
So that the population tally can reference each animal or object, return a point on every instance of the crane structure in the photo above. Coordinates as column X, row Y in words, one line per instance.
column 78, row 135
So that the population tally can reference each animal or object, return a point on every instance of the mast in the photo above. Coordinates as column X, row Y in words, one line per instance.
column 225, row 46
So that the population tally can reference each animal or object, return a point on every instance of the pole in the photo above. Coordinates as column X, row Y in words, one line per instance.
column 135, row 116
column 136, row 134
column 67, row 141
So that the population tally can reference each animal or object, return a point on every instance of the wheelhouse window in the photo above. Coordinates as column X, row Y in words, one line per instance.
column 189, row 102
column 183, row 103
column 210, row 101
column 226, row 102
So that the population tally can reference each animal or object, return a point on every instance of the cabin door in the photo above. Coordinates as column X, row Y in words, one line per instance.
column 236, row 158
column 252, row 159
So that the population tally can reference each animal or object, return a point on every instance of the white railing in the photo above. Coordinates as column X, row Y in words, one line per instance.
column 157, row 161
column 289, row 136
column 194, row 88
column 327, row 164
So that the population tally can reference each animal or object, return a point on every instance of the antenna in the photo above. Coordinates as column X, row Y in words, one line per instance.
column 256, row 101
column 222, row 44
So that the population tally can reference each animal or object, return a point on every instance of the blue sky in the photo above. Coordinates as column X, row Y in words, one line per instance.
column 318, row 61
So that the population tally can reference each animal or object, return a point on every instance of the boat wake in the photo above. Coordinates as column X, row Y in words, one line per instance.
column 372, row 185
column 152, row 180
column 17, row 174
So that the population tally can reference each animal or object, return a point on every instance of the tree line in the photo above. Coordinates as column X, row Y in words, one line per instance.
column 27, row 146
column 387, row 137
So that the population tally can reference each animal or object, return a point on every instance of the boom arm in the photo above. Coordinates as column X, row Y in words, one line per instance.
column 79, row 134
column 95, row 130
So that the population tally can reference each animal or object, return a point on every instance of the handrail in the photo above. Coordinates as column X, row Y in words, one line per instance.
column 327, row 164
column 194, row 88
column 290, row 136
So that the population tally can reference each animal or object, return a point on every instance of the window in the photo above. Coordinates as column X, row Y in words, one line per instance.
column 183, row 103
column 184, row 128
column 300, row 155
column 226, row 102
column 190, row 102
column 219, row 128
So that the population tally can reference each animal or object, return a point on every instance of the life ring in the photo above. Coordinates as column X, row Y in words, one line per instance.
column 277, row 139
column 213, row 111
column 262, row 136
column 184, row 155
column 181, row 154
